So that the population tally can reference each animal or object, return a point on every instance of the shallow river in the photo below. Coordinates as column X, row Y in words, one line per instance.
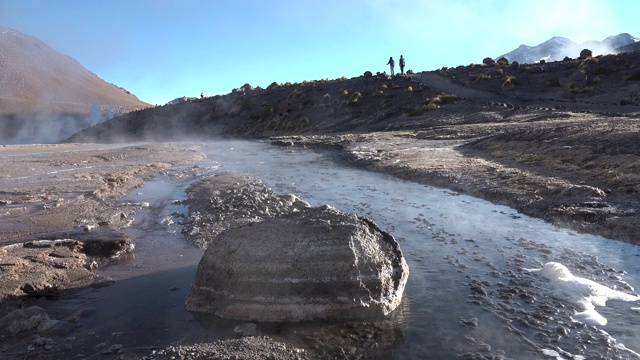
column 474, row 289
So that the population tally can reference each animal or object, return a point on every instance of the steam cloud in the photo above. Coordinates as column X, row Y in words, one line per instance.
column 47, row 127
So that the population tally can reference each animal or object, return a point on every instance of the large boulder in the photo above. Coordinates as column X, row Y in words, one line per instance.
column 318, row 263
column 585, row 53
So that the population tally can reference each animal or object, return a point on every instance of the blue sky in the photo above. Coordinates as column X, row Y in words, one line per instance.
column 164, row 49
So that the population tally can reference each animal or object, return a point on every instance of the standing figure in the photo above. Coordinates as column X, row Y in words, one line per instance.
column 391, row 63
column 401, row 65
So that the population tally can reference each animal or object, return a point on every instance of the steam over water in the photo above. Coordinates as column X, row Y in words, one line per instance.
column 485, row 282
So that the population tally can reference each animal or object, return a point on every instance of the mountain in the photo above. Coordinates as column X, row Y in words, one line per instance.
column 36, row 78
column 557, row 48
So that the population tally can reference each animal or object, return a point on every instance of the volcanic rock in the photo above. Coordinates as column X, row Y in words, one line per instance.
column 585, row 53
column 318, row 263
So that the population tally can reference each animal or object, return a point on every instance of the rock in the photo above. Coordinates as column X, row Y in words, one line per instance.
column 248, row 329
column 368, row 74
column 30, row 319
column 503, row 61
column 106, row 242
column 229, row 199
column 515, row 65
column 318, row 263
column 488, row 61
column 585, row 53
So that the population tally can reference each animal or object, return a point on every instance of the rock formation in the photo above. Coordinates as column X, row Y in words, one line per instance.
column 318, row 263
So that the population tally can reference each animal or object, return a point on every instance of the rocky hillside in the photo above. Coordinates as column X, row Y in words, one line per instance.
column 36, row 78
column 463, row 95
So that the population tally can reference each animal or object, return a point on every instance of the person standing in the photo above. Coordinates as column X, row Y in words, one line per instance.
column 401, row 65
column 391, row 63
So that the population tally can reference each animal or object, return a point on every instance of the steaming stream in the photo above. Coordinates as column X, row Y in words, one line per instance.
column 478, row 284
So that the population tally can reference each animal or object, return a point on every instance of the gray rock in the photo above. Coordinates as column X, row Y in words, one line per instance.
column 248, row 329
column 30, row 319
column 318, row 263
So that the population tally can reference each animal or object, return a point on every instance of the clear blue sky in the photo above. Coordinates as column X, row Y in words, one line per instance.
column 164, row 49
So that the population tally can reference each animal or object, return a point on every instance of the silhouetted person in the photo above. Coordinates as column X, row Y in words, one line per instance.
column 201, row 95
column 391, row 63
column 401, row 65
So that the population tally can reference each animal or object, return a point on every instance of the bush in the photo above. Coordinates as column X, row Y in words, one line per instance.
column 446, row 98
column 483, row 77
column 553, row 83
column 510, row 80
column 633, row 77
column 577, row 90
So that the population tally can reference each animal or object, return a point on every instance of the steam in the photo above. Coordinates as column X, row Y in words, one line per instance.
column 48, row 127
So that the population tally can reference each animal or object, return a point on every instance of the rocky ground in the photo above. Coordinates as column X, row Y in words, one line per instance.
column 557, row 141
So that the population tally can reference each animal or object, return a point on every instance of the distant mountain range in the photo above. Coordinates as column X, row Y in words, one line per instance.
column 36, row 78
column 557, row 48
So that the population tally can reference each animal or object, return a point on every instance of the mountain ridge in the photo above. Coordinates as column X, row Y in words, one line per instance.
column 35, row 77
column 557, row 48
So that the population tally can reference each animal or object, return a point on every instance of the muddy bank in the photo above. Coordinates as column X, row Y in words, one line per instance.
column 61, row 219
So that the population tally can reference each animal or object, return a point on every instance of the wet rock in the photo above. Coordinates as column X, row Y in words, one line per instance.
column 318, row 263
column 30, row 319
column 231, row 199
column 105, row 242
column 248, row 329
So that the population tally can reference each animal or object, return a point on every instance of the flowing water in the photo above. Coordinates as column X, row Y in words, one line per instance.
column 475, row 287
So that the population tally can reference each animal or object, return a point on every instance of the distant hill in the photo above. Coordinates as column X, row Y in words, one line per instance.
column 557, row 48
column 37, row 78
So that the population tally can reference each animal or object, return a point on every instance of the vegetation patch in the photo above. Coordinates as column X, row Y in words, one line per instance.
column 633, row 77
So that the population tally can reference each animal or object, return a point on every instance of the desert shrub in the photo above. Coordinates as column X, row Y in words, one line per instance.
column 304, row 122
column 344, row 92
column 510, row 80
column 383, row 87
column 633, row 77
column 500, row 72
column 295, row 94
column 326, row 98
column 256, row 118
column 577, row 90
column 355, row 99
column 445, row 98
column 414, row 111
column 431, row 106
column 603, row 70
column 553, row 83
column 571, row 64
column 483, row 77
